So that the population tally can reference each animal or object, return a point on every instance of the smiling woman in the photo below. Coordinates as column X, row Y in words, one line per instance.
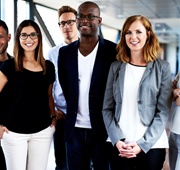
column 138, row 132
column 28, row 105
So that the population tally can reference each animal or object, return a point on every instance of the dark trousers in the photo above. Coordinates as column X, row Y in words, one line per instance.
column 59, row 146
column 2, row 160
column 152, row 160
column 83, row 149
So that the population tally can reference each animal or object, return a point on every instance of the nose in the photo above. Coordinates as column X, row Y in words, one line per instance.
column 133, row 35
column 28, row 37
column 66, row 25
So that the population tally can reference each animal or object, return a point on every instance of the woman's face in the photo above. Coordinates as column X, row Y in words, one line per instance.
column 28, row 39
column 136, row 36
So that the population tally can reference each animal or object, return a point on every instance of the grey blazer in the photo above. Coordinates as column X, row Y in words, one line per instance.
column 154, row 101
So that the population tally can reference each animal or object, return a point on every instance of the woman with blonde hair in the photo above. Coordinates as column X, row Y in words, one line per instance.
column 138, row 99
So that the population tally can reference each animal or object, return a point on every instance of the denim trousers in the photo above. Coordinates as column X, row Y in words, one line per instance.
column 27, row 151
column 84, row 149
column 174, row 151
column 59, row 146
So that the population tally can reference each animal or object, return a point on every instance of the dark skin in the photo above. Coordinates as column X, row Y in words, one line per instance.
column 4, row 39
column 88, row 29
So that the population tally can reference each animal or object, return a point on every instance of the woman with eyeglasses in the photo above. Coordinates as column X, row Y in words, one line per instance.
column 27, row 115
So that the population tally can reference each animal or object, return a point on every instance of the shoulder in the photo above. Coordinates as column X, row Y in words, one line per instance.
column 49, row 64
column 161, row 63
column 116, row 65
column 9, row 62
column 53, row 52
column 108, row 48
column 69, row 50
column 55, row 48
column 8, row 66
column 160, row 66
column 73, row 45
column 106, row 42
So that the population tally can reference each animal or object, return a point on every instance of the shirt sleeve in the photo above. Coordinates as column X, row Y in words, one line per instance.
column 7, row 67
column 50, row 71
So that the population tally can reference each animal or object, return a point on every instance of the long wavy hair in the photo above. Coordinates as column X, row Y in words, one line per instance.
column 151, row 50
column 18, row 51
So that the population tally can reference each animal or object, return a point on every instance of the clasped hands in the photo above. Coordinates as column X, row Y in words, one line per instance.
column 128, row 150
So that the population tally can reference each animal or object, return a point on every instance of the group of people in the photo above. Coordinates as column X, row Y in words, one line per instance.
column 104, row 104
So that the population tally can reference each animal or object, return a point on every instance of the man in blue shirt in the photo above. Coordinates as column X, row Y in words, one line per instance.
column 67, row 25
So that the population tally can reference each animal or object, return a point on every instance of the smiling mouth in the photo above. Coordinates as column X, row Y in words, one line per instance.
column 134, row 43
column 29, row 45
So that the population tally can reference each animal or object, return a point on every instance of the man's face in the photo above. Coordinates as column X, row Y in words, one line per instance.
column 88, row 20
column 68, row 25
column 4, row 39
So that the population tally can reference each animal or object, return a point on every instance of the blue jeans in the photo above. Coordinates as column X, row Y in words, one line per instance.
column 59, row 146
column 83, row 149
column 174, row 151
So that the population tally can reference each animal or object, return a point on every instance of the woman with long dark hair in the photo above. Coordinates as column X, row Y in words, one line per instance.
column 26, row 90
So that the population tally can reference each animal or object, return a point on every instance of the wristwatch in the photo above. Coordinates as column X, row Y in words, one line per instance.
column 53, row 116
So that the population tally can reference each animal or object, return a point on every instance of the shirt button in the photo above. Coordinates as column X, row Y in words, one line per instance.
column 139, row 102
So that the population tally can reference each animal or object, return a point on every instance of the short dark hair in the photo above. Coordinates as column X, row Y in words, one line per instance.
column 90, row 3
column 65, row 9
column 3, row 24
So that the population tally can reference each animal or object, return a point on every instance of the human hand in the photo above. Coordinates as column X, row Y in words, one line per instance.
column 174, row 84
column 176, row 92
column 129, row 150
column 2, row 130
column 53, row 123
column 59, row 114
column 123, row 148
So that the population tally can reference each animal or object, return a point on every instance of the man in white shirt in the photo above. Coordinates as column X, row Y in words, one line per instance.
column 67, row 25
column 83, row 68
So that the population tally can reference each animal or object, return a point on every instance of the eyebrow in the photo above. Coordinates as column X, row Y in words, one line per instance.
column 135, row 30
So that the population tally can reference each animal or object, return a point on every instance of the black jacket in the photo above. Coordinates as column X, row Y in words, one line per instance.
column 68, row 77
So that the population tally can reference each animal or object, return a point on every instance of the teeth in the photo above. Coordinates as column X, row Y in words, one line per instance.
column 29, row 45
column 85, row 26
column 134, row 42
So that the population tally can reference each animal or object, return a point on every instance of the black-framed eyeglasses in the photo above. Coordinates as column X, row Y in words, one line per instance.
column 68, row 22
column 89, row 17
column 32, row 35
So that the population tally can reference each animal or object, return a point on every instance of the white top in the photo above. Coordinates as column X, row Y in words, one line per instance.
column 85, row 69
column 175, row 119
column 59, row 100
column 130, row 121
